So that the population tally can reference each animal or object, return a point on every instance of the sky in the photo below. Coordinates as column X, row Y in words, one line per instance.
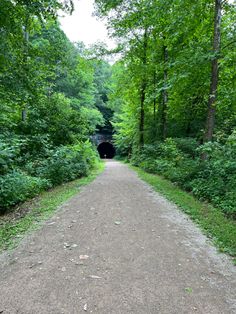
column 82, row 26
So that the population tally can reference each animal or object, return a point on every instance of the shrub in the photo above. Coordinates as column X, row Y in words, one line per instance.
column 179, row 160
column 216, row 182
column 169, row 151
column 183, row 173
column 65, row 163
column 187, row 145
column 16, row 187
column 9, row 152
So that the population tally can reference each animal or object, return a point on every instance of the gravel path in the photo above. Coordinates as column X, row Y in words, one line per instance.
column 117, row 247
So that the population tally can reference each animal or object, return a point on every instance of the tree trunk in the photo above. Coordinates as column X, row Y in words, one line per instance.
column 143, row 90
column 154, row 99
column 25, row 58
column 141, row 126
column 210, row 122
column 165, row 93
column 163, row 107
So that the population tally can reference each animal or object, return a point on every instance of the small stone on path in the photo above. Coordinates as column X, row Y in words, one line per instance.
column 95, row 277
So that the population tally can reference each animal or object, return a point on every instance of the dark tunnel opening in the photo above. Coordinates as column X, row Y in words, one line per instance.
column 106, row 150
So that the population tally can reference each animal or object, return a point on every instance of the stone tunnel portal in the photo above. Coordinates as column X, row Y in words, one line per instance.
column 106, row 150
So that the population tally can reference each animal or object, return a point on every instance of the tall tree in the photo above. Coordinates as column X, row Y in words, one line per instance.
column 143, row 87
column 210, row 123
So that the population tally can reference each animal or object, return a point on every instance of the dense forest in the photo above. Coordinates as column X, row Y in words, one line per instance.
column 174, row 92
column 170, row 98
column 52, row 98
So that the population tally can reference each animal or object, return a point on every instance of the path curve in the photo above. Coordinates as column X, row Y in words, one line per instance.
column 141, row 255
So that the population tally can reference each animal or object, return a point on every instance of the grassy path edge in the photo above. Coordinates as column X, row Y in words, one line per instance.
column 221, row 230
column 42, row 208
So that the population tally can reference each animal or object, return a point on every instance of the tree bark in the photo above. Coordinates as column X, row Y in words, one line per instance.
column 210, row 122
column 143, row 90
column 154, row 99
column 25, row 56
column 141, row 125
column 163, row 107
column 165, row 93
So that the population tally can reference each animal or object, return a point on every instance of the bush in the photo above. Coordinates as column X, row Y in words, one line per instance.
column 65, row 164
column 9, row 152
column 187, row 145
column 216, row 182
column 16, row 187
column 183, row 173
column 170, row 151
column 179, row 160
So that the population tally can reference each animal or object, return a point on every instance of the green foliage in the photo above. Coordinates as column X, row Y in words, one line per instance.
column 16, row 187
column 64, row 164
column 94, row 118
column 213, row 179
column 160, row 93
column 216, row 181
column 11, row 231
column 187, row 145
column 9, row 151
column 48, row 100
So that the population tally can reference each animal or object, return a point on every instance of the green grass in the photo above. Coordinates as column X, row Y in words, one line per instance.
column 211, row 220
column 11, row 232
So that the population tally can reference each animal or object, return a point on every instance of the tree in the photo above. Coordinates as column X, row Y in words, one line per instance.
column 173, row 88
column 210, row 122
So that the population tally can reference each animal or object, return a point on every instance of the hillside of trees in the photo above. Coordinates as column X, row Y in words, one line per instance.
column 52, row 95
column 170, row 98
column 174, row 92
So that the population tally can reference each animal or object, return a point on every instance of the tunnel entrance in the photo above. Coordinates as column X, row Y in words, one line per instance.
column 106, row 150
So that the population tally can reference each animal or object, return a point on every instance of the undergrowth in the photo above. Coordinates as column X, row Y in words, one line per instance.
column 40, row 209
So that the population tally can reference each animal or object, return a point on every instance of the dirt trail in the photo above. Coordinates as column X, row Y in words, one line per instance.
column 141, row 255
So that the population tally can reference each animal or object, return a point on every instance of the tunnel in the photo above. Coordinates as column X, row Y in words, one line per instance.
column 106, row 150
